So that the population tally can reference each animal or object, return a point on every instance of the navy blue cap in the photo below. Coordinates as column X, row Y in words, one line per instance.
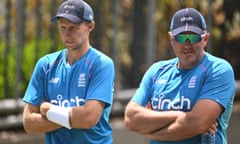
column 187, row 19
column 75, row 11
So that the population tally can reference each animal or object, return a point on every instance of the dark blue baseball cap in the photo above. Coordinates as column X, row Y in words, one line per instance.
column 75, row 11
column 187, row 19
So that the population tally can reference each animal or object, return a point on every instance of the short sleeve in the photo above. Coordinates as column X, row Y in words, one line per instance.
column 34, row 93
column 144, row 92
column 101, row 86
column 220, row 84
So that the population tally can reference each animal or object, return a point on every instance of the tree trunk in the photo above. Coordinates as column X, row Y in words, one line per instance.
column 137, row 50
column 20, row 23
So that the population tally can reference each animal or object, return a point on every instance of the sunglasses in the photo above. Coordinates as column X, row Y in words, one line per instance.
column 193, row 38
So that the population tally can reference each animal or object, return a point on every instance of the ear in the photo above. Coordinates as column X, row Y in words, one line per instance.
column 91, row 26
column 207, row 36
column 170, row 36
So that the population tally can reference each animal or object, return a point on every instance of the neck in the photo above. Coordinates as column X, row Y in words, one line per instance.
column 188, row 65
column 74, row 55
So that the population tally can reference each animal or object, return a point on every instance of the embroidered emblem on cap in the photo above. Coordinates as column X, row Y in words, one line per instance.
column 186, row 19
column 68, row 7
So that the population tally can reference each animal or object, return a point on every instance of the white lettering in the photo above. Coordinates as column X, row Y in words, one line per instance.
column 68, row 103
column 186, row 19
column 69, row 6
column 160, row 103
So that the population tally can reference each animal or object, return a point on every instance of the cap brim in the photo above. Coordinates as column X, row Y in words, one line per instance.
column 194, row 29
column 73, row 19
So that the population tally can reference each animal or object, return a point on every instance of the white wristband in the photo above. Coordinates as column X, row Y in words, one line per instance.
column 59, row 115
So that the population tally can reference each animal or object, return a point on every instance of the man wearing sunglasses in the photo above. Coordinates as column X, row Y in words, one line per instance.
column 185, row 98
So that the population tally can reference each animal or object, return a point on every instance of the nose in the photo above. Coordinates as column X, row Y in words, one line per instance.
column 67, row 33
column 187, row 41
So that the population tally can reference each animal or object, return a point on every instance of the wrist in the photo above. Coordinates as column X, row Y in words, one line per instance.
column 59, row 115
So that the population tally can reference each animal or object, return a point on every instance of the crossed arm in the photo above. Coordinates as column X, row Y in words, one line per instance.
column 86, row 116
column 173, row 125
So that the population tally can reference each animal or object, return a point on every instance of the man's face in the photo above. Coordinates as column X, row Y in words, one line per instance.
column 74, row 36
column 189, row 48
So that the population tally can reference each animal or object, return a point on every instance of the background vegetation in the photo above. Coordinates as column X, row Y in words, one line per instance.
column 132, row 32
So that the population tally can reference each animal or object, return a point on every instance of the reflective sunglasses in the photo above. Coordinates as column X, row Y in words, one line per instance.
column 193, row 38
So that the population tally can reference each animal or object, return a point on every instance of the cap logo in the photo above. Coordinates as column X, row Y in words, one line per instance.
column 186, row 19
column 68, row 7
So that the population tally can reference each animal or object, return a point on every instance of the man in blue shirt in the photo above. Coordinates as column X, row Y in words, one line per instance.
column 181, row 99
column 70, row 94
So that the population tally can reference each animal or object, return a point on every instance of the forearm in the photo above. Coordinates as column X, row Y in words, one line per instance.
column 144, row 120
column 186, row 126
column 182, row 128
column 88, row 115
column 36, row 123
column 83, row 117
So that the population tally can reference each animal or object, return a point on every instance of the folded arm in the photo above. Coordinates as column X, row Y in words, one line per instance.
column 34, row 122
column 144, row 120
column 172, row 125
column 86, row 116
column 201, row 119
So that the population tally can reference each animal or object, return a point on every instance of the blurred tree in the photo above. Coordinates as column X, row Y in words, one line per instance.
column 122, row 31
column 138, row 44
column 6, row 51
column 20, row 35
column 230, row 40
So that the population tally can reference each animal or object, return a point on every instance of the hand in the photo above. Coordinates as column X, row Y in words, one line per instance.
column 149, row 105
column 212, row 129
column 45, row 106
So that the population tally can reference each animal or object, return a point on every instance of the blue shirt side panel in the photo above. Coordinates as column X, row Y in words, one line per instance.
column 220, row 87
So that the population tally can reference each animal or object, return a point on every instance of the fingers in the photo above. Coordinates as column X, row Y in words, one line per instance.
column 45, row 106
column 212, row 129
column 149, row 105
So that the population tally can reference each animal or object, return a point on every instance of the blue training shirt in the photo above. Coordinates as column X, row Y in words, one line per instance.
column 89, row 78
column 169, row 88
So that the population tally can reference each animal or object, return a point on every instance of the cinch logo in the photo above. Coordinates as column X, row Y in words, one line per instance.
column 161, row 103
column 68, row 103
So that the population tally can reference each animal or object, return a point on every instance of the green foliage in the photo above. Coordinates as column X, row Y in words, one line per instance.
column 32, row 51
column 1, row 67
column 7, row 64
column 41, row 36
